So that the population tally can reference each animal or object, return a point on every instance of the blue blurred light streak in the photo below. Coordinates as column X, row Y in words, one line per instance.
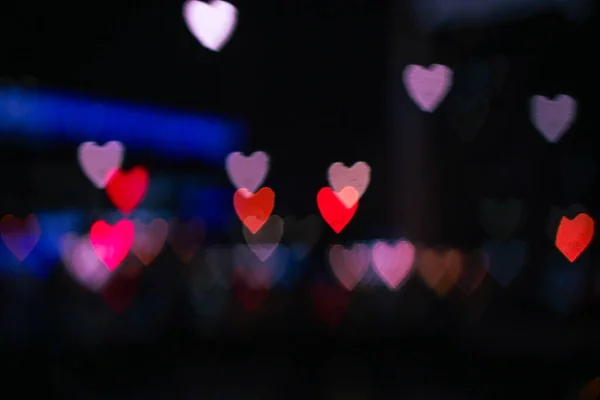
column 435, row 13
column 48, row 115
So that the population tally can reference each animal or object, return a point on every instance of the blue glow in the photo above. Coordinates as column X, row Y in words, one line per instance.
column 434, row 13
column 213, row 205
column 46, row 255
column 46, row 115
column 293, row 266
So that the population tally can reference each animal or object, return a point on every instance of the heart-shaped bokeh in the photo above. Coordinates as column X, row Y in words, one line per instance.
column 349, row 265
column 563, row 283
column 506, row 259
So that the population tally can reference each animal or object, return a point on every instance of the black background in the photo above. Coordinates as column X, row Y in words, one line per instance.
column 315, row 82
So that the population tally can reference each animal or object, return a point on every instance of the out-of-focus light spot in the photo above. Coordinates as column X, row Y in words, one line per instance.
column 211, row 23
column 254, row 274
column 254, row 209
column 591, row 391
column 474, row 271
column 349, row 265
column 563, row 283
column 358, row 177
column 82, row 263
column 167, row 133
column 436, row 13
column 20, row 236
column 440, row 269
column 393, row 263
column 112, row 243
column 149, row 239
column 348, row 196
column 250, row 297
column 122, row 288
column 291, row 267
column 333, row 210
column 212, row 204
column 506, row 259
column 247, row 172
column 46, row 254
column 331, row 302
column 266, row 240
column 126, row 189
column 277, row 265
column 553, row 118
column 427, row 86
column 574, row 236
column 100, row 162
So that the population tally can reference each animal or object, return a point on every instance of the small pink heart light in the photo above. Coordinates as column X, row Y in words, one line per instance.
column 82, row 263
column 211, row 23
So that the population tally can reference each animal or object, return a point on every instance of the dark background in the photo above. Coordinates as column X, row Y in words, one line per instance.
column 314, row 82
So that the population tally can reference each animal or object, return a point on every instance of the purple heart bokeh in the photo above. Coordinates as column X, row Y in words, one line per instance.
column 247, row 172
column 427, row 86
column 99, row 162
column 553, row 118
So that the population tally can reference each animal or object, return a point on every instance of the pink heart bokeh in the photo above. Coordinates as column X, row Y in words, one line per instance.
column 254, row 272
column 358, row 176
column 112, row 243
column 211, row 23
column 393, row 263
column 349, row 265
column 82, row 263
column 428, row 87
column 100, row 162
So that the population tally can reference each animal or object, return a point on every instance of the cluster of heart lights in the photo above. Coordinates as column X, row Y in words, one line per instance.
column 106, row 244
column 392, row 264
column 337, row 202
column 213, row 24
column 428, row 87
column 91, row 259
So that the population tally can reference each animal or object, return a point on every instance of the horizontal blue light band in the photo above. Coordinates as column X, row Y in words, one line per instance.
column 436, row 12
column 44, row 115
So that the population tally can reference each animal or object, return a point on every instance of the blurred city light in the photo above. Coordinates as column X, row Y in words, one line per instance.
column 49, row 115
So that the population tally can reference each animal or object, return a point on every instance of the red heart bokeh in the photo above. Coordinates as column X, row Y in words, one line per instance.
column 331, row 302
column 127, row 189
column 332, row 209
column 258, row 205
column 574, row 236
column 251, row 298
column 121, row 290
